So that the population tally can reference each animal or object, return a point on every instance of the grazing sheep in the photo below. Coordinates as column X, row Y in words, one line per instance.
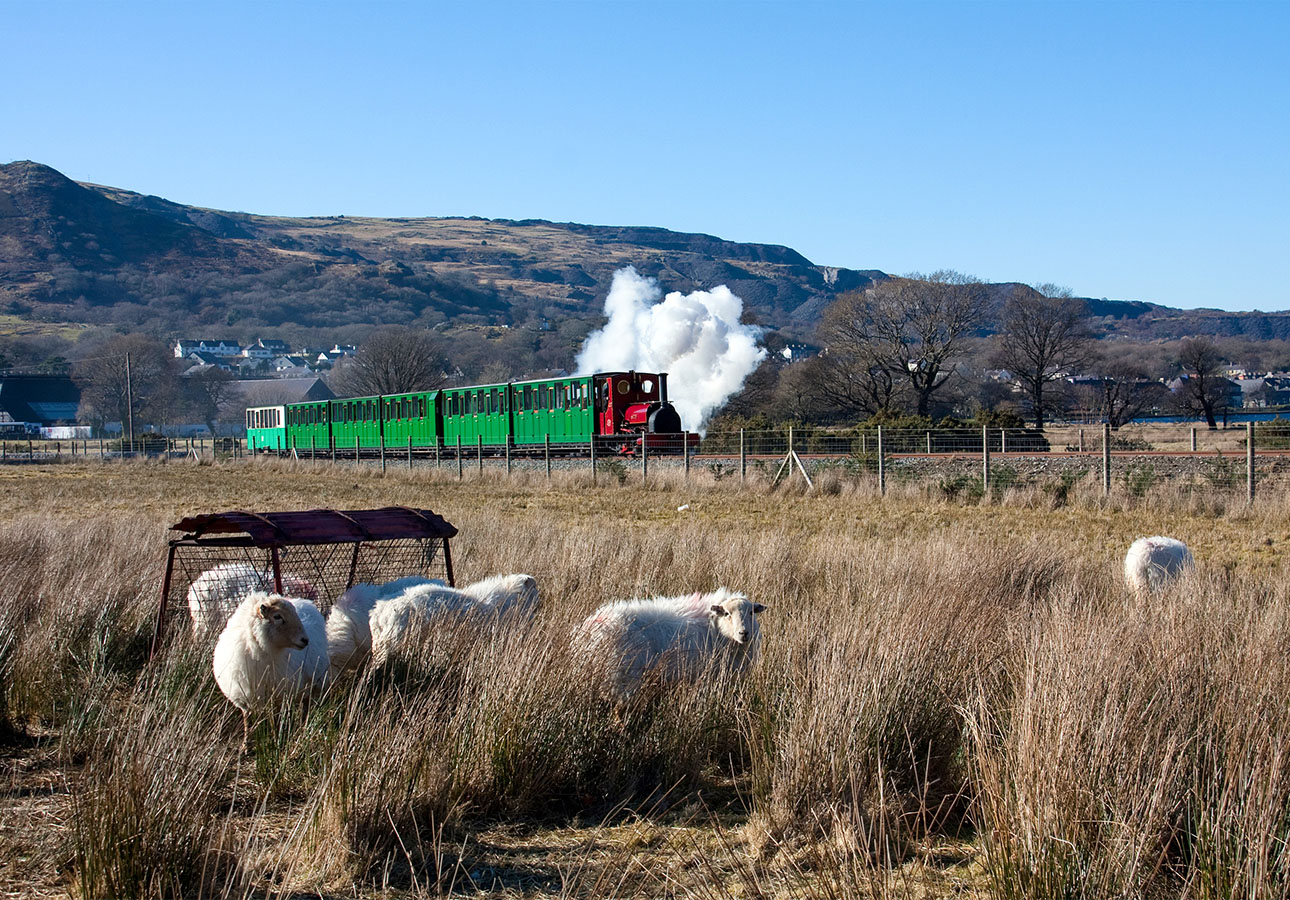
column 501, row 596
column 215, row 593
column 310, row 667
column 253, row 662
column 506, row 595
column 349, row 636
column 679, row 635
column 1152, row 562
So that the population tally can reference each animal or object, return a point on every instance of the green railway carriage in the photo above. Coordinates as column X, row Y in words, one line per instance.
column 472, row 414
column 558, row 407
column 265, row 428
column 411, row 417
column 309, row 425
column 356, row 421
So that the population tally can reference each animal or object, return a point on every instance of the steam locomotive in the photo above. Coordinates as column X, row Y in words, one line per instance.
column 624, row 412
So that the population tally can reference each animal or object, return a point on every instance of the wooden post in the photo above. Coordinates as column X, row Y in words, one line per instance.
column 332, row 440
column 1106, row 459
column 593, row 460
column 381, row 441
column 1081, row 440
column 1003, row 441
column 357, row 455
column 508, row 456
column 546, row 451
column 479, row 452
column 459, row 463
column 31, row 450
column 743, row 458
column 644, row 460
column 1249, row 462
column 685, row 452
column 882, row 466
column 409, row 453
column 438, row 457
column 1193, row 439
column 100, row 448
column 929, row 443
column 985, row 460
column 313, row 448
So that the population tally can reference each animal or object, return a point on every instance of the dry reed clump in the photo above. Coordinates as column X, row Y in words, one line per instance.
column 145, row 804
column 1140, row 750
column 856, row 729
column 77, row 608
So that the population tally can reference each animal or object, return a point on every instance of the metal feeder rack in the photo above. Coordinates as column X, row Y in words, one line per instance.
column 329, row 550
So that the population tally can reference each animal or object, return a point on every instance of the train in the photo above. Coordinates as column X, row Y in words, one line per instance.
column 621, row 412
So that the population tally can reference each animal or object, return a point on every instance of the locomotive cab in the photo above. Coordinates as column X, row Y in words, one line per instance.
column 635, row 404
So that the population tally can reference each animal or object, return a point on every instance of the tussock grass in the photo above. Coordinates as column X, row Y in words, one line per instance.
column 953, row 697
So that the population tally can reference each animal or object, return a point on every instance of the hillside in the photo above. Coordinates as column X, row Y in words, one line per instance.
column 84, row 253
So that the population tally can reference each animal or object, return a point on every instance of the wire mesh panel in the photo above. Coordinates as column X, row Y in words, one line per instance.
column 316, row 555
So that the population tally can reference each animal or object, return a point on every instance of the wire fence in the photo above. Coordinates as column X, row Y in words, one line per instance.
column 1133, row 459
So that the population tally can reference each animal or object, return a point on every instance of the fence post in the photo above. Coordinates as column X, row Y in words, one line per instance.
column 685, row 452
column 508, row 455
column 381, row 441
column 546, row 451
column 479, row 452
column 644, row 460
column 929, row 443
column 1081, row 440
column 1003, row 441
column 438, row 457
column 409, row 452
column 1106, row 459
column 1249, row 462
column 459, row 464
column 593, row 460
column 100, row 448
column 331, row 439
column 882, row 465
column 313, row 448
column 743, row 459
column 985, row 460
column 1193, row 439
column 357, row 454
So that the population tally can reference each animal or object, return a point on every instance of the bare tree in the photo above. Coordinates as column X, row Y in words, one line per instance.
column 903, row 333
column 392, row 361
column 1122, row 392
column 208, row 392
column 102, row 377
column 1045, row 335
column 1203, row 390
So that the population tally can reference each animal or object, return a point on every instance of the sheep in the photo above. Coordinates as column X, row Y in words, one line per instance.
column 506, row 595
column 1152, row 562
column 349, row 637
column 310, row 668
column 253, row 661
column 501, row 596
column 679, row 636
column 215, row 593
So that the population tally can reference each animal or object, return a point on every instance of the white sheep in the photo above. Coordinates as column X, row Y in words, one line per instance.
column 349, row 635
column 1152, row 562
column 512, row 597
column 215, row 593
column 680, row 636
column 253, row 660
column 311, row 667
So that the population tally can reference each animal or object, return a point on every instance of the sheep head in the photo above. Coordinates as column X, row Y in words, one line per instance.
column 280, row 622
column 735, row 616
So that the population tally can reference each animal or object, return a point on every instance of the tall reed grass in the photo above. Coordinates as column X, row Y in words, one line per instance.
column 945, row 683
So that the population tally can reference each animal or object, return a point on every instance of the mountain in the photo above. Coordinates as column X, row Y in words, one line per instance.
column 86, row 253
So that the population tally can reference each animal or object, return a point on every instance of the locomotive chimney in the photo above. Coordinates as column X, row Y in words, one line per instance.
column 662, row 386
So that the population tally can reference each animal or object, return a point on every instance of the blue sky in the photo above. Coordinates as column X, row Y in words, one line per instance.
column 1126, row 150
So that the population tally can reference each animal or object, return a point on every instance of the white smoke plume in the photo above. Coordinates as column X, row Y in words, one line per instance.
column 696, row 338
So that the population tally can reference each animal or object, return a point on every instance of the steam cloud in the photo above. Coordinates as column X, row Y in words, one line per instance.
column 696, row 338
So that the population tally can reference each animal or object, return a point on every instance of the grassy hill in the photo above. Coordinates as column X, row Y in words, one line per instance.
column 95, row 255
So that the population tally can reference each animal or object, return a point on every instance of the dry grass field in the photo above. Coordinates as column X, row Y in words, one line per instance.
column 954, row 699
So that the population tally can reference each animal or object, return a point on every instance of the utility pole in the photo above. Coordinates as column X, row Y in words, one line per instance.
column 129, row 401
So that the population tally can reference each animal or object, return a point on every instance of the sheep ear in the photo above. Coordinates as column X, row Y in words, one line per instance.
column 720, row 610
column 266, row 610
column 759, row 607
